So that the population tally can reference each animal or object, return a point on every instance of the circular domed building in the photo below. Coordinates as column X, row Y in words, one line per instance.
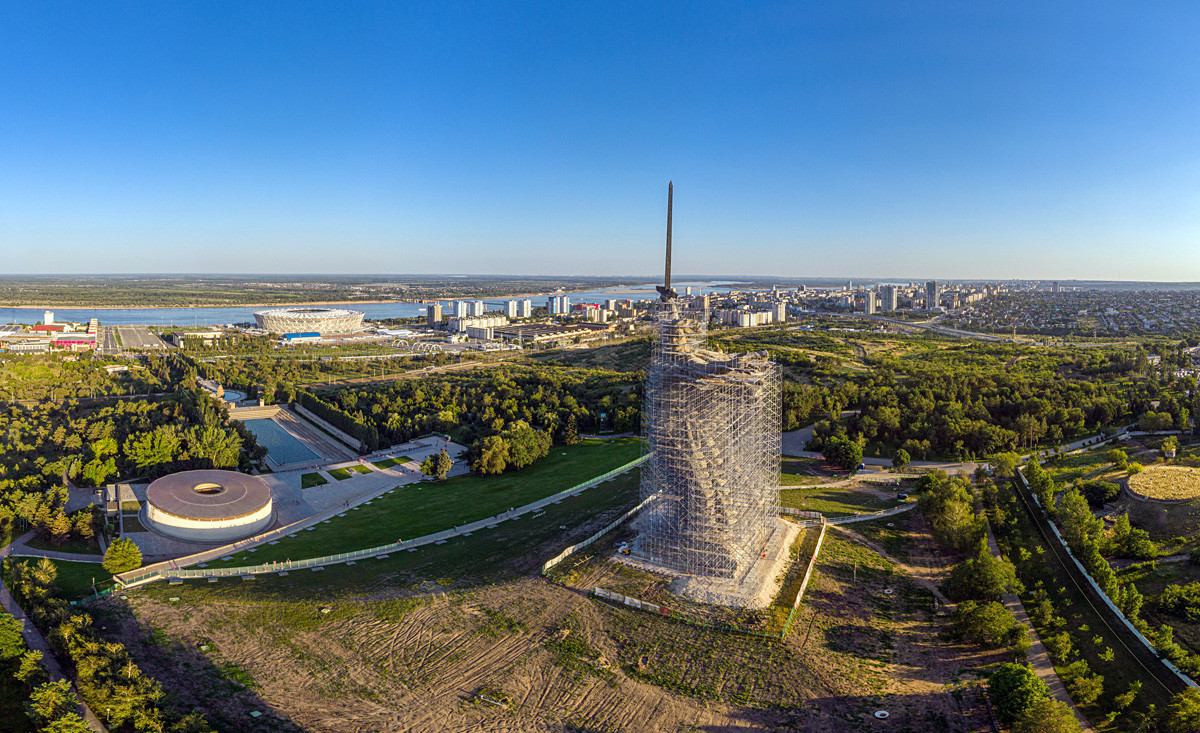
column 309, row 320
column 209, row 505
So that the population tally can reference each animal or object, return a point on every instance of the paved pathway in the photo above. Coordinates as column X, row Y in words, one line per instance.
column 18, row 548
column 1037, row 656
column 37, row 642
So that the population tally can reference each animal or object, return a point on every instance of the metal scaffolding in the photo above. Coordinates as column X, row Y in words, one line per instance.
column 711, row 423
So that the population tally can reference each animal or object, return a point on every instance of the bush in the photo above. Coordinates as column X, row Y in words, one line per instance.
column 1014, row 689
column 1058, row 646
column 1085, row 688
column 1183, row 715
column 1182, row 601
column 1099, row 493
column 1046, row 715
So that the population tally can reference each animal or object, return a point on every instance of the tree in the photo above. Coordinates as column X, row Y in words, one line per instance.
column 51, row 701
column 122, row 555
column 901, row 459
column 1005, row 464
column 1183, row 715
column 1085, row 688
column 1014, row 688
column 493, row 456
column 444, row 464
column 31, row 670
column 69, row 723
column 1099, row 493
column 989, row 624
column 1119, row 458
column 12, row 644
column 843, row 452
column 984, row 577
column 1134, row 468
column 1079, row 526
column 1046, row 715
column 571, row 431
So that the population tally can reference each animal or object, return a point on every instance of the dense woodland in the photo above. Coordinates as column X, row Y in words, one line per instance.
column 49, row 444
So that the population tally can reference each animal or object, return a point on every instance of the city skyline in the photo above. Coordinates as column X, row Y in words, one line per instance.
column 970, row 143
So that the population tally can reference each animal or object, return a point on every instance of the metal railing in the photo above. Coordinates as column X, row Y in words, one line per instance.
column 277, row 566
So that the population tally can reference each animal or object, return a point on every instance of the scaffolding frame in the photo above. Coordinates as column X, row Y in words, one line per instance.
column 711, row 423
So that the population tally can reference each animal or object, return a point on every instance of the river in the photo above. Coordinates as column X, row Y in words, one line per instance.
column 217, row 316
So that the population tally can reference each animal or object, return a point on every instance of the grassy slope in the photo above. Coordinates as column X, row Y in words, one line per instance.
column 419, row 509
column 513, row 549
column 835, row 501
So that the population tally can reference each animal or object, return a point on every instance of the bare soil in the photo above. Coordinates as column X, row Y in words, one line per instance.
column 533, row 655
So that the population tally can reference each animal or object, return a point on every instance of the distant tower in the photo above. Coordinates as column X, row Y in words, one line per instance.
column 712, row 424
column 932, row 295
column 47, row 318
column 461, row 309
column 510, row 309
column 869, row 302
column 433, row 315
column 526, row 309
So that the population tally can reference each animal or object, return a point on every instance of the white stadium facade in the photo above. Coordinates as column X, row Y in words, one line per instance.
column 309, row 320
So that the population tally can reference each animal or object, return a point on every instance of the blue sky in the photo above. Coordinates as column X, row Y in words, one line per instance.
column 868, row 139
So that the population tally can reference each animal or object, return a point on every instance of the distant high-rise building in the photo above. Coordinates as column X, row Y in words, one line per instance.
column 461, row 309
column 526, row 309
column 1054, row 287
column 687, row 290
column 48, row 318
column 869, row 302
column 510, row 309
column 610, row 304
column 932, row 295
column 781, row 312
column 477, row 308
column 889, row 299
column 433, row 315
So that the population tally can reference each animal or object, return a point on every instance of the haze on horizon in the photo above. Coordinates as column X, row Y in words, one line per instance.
column 989, row 142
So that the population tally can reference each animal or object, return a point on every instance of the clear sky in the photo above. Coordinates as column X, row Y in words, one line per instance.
column 870, row 139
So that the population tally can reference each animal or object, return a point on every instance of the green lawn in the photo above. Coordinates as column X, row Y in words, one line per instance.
column 389, row 462
column 132, row 523
column 427, row 507
column 73, row 545
column 1091, row 464
column 360, row 468
column 837, row 501
column 75, row 578
column 341, row 474
column 513, row 549
column 309, row 480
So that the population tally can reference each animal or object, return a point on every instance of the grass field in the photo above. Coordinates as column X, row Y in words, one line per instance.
column 838, row 501
column 341, row 474
column 1092, row 464
column 74, row 545
column 75, row 578
column 419, row 509
column 310, row 480
column 389, row 462
column 1171, row 483
column 515, row 548
column 131, row 523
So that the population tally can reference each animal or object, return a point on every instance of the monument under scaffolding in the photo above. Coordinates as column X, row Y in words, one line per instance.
column 711, row 424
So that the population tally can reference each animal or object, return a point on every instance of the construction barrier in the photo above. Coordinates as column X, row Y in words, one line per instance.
column 591, row 540
column 812, row 563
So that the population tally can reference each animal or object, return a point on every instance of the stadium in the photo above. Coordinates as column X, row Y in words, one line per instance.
column 208, row 505
column 309, row 320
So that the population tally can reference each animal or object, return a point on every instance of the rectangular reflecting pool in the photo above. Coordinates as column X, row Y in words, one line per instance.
column 282, row 446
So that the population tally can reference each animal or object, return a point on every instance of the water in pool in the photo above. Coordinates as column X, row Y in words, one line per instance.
column 281, row 445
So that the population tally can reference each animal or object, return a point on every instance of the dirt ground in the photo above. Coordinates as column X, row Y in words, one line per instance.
column 528, row 655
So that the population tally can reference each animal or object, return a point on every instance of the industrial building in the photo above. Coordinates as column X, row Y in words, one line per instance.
column 321, row 320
